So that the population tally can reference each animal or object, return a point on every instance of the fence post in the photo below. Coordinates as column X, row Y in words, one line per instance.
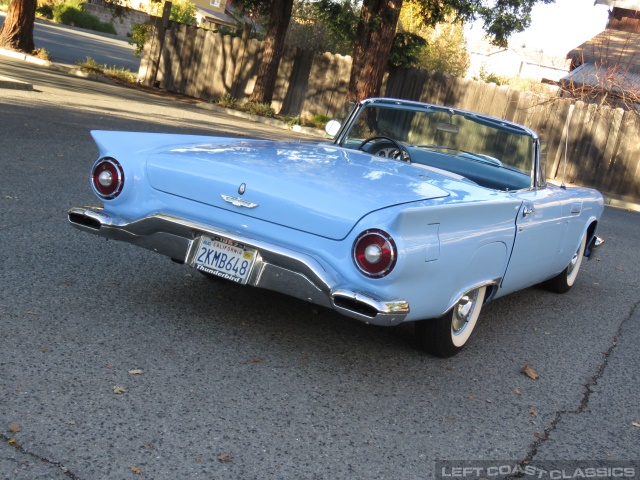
column 166, row 12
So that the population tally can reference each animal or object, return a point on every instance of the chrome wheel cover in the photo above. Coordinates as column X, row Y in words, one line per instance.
column 463, row 311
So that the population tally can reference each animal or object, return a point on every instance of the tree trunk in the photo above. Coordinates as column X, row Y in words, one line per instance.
column 374, row 39
column 17, row 31
column 273, row 48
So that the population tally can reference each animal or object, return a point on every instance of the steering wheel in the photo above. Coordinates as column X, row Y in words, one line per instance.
column 395, row 151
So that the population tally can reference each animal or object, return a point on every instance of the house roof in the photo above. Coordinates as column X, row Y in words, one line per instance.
column 603, row 78
column 484, row 47
column 218, row 17
column 611, row 48
column 628, row 4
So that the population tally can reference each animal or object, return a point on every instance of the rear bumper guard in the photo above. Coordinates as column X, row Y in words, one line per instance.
column 282, row 270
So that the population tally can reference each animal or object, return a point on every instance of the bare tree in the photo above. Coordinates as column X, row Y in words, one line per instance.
column 605, row 72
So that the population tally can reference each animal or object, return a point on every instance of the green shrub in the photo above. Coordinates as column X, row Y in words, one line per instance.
column 262, row 109
column 45, row 11
column 319, row 121
column 73, row 13
column 227, row 101
column 139, row 34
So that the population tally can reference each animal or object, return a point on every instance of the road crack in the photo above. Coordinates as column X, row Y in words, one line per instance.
column 14, row 444
column 584, row 403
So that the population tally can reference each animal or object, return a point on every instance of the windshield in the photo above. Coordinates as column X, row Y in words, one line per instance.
column 461, row 137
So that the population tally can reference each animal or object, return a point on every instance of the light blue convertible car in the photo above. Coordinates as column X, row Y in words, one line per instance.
column 414, row 213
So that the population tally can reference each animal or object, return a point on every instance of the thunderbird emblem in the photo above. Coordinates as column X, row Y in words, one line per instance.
column 238, row 202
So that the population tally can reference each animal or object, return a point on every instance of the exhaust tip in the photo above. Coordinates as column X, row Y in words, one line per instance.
column 84, row 221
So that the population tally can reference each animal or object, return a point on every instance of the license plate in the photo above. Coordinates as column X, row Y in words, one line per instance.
column 226, row 260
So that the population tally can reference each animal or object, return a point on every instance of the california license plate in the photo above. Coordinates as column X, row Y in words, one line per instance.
column 224, row 259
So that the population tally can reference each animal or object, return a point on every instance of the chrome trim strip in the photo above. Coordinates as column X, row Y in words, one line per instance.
column 276, row 268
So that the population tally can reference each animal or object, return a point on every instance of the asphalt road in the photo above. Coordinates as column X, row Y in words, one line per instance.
column 241, row 383
column 70, row 45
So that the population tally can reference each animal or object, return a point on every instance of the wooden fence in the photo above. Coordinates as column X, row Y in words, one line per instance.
column 602, row 145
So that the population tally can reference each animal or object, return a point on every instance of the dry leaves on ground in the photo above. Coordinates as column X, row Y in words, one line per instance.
column 136, row 371
column 225, row 458
column 118, row 390
column 529, row 372
column 14, row 428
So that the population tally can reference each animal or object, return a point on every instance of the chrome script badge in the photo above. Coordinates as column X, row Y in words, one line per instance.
column 238, row 202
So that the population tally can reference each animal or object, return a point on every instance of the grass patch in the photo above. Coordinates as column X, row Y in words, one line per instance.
column 261, row 109
column 41, row 53
column 121, row 75
column 228, row 101
column 316, row 121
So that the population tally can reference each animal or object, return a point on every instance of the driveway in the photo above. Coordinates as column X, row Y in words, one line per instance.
column 70, row 45
column 117, row 363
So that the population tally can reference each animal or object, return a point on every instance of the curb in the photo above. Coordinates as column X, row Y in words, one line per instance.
column 274, row 122
column 68, row 69
column 6, row 82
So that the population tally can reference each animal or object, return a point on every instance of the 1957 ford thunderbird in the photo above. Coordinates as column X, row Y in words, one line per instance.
column 414, row 213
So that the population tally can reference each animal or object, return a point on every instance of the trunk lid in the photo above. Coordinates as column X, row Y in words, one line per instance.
column 312, row 187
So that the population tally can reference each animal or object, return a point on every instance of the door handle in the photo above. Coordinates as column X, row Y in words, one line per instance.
column 528, row 210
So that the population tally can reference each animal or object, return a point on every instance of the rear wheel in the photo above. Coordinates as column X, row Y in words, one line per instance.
column 447, row 335
column 563, row 282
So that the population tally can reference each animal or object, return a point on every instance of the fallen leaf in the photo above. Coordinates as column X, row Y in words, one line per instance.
column 532, row 411
column 447, row 367
column 225, row 458
column 12, row 441
column 136, row 470
column 149, row 446
column 471, row 397
column 31, row 312
column 489, row 401
column 137, row 371
column 71, row 422
column 529, row 372
column 304, row 361
column 198, row 460
column 635, row 424
column 541, row 436
column 517, row 392
column 68, row 283
column 14, row 428
column 42, row 348
column 117, row 389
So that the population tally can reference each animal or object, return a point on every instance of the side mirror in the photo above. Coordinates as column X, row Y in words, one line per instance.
column 332, row 128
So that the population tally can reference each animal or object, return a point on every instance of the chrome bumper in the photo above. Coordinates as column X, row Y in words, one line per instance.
column 278, row 269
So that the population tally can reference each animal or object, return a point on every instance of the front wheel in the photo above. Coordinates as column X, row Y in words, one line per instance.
column 563, row 282
column 447, row 335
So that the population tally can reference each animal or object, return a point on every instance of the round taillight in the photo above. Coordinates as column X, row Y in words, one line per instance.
column 374, row 253
column 107, row 178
